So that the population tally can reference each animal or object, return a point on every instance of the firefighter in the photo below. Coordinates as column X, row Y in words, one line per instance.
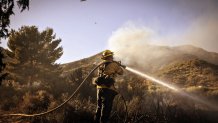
column 105, row 86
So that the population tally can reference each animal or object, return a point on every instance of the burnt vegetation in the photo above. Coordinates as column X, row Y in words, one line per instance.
column 36, row 83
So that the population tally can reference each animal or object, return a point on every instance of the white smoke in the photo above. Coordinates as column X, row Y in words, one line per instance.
column 203, row 32
column 134, row 46
column 130, row 42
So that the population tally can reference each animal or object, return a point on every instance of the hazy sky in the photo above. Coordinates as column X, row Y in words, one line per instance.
column 85, row 27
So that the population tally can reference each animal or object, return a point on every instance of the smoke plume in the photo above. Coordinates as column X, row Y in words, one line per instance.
column 133, row 46
column 140, row 47
column 130, row 41
column 203, row 33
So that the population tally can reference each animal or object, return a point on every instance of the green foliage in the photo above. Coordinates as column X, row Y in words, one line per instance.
column 2, row 65
column 33, row 56
column 36, row 102
column 8, row 97
column 23, row 4
column 6, row 10
column 79, row 110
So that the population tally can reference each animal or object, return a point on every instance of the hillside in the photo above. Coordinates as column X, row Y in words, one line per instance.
column 184, row 66
column 210, row 57
column 72, row 65
column 157, row 59
column 192, row 72
column 86, row 62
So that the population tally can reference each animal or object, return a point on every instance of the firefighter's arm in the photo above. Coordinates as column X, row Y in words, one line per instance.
column 120, row 70
column 113, row 68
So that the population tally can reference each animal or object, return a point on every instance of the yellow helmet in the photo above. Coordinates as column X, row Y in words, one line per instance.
column 106, row 54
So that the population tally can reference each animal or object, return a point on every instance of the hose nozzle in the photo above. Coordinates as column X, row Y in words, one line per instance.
column 123, row 66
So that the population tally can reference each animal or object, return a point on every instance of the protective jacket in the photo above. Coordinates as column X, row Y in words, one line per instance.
column 109, row 71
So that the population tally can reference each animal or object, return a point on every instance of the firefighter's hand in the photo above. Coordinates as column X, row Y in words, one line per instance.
column 119, row 63
column 123, row 66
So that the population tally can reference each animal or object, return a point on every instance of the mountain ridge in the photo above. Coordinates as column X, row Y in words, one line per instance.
column 171, row 55
column 179, row 66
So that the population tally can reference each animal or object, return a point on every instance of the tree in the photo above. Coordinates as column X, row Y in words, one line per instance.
column 2, row 65
column 6, row 10
column 34, row 54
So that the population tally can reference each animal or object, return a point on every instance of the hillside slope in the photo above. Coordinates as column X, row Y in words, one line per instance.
column 178, row 65
column 153, row 62
column 86, row 62
column 194, row 72
column 210, row 57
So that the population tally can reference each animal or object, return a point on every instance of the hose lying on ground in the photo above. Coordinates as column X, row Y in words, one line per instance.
column 72, row 95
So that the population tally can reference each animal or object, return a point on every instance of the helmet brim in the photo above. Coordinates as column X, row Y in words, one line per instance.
column 105, row 56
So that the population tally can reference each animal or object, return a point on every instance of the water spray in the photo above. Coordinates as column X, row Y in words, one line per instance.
column 152, row 79
column 174, row 88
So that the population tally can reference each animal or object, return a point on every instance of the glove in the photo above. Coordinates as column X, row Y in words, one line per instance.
column 119, row 63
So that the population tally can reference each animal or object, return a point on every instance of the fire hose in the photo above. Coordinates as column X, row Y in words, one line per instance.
column 71, row 96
